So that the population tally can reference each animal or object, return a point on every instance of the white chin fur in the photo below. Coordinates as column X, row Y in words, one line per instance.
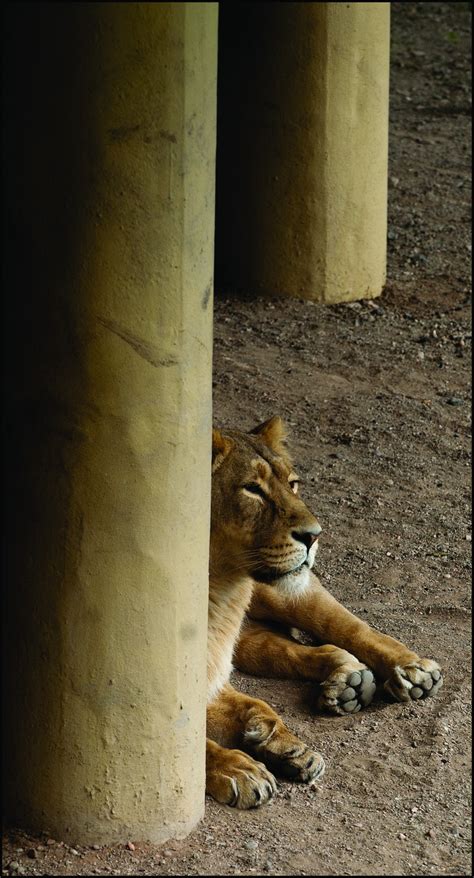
column 312, row 553
column 293, row 585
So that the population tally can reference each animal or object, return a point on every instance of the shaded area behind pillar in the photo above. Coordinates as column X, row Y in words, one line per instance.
column 46, row 150
column 262, row 76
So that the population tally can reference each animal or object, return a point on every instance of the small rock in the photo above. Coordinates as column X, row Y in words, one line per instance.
column 96, row 847
column 417, row 257
column 50, row 841
column 130, row 846
column 454, row 400
column 430, row 833
column 32, row 853
column 394, row 181
column 251, row 845
column 401, row 836
column 74, row 852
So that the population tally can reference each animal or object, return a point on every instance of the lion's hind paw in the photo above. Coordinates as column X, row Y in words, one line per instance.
column 347, row 691
column 235, row 779
column 415, row 680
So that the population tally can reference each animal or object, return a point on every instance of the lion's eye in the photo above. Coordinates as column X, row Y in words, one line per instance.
column 294, row 485
column 254, row 488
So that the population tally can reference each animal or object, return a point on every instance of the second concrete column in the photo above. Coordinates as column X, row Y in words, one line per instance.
column 302, row 149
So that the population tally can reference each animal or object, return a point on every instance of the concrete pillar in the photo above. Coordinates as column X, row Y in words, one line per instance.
column 302, row 149
column 110, row 196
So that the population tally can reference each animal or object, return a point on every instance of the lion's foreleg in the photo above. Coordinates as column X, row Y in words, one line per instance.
column 404, row 674
column 318, row 613
column 347, row 684
column 267, row 653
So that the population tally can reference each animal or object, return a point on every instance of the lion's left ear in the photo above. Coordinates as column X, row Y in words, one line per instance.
column 221, row 446
column 273, row 432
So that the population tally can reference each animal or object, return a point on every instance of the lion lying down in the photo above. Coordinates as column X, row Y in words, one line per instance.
column 263, row 545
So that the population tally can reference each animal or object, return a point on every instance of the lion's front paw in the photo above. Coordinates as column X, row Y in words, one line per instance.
column 415, row 680
column 240, row 781
column 347, row 690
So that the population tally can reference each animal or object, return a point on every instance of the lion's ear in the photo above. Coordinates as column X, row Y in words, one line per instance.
column 221, row 446
column 273, row 432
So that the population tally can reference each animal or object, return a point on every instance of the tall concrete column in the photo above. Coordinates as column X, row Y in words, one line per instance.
column 302, row 149
column 110, row 213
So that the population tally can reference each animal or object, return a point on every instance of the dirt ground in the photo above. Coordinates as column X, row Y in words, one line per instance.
column 378, row 399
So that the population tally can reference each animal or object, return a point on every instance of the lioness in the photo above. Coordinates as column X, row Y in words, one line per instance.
column 263, row 545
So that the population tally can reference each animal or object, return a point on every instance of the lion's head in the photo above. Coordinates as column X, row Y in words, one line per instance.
column 259, row 525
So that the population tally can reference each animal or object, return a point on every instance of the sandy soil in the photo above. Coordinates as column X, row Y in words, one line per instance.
column 377, row 396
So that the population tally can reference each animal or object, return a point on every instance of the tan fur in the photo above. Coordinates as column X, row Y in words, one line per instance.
column 263, row 544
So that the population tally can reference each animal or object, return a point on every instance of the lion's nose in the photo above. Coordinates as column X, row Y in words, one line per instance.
column 308, row 537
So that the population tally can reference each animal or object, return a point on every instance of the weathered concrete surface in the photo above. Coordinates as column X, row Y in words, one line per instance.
column 111, row 191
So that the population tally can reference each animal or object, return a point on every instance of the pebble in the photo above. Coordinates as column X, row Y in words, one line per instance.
column 251, row 845
column 401, row 836
column 454, row 400
column 32, row 853
column 130, row 846
column 418, row 257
